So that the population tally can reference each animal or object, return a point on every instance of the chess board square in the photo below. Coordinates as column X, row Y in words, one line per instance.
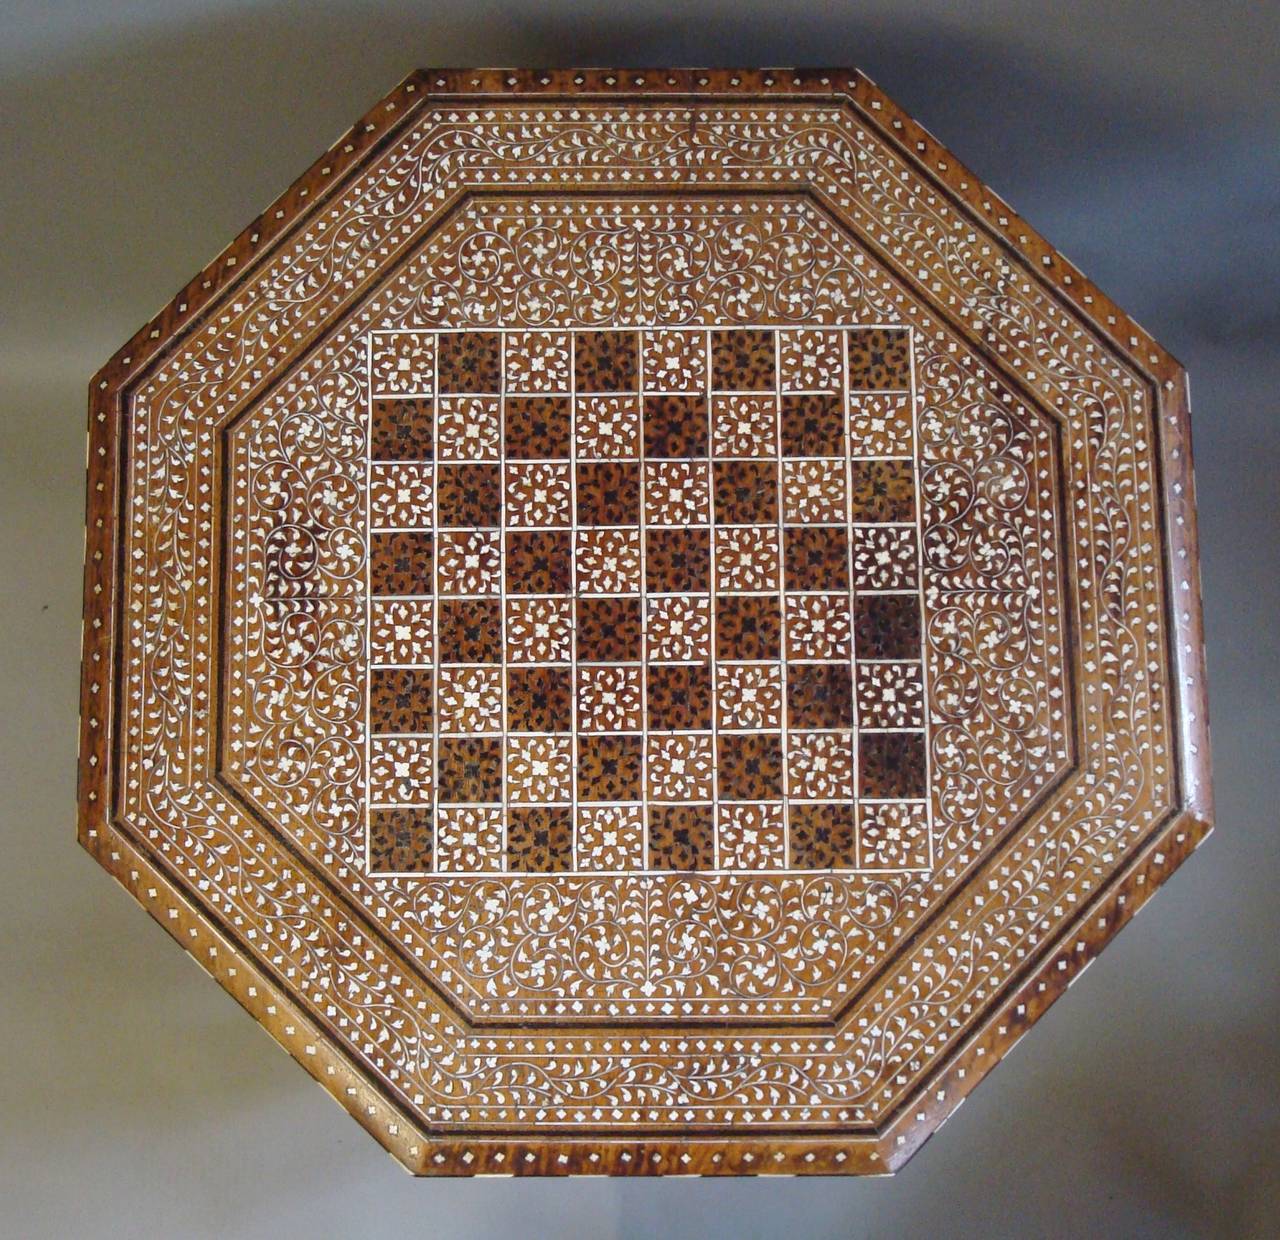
column 881, row 491
column 469, row 630
column 611, row 838
column 891, row 764
column 538, row 362
column 609, row 493
column 817, row 557
column 610, row 768
column 401, row 429
column 746, row 492
column 469, row 700
column 749, row 766
column 812, row 425
column 681, row 767
column 540, row 839
column 747, row 559
column 401, row 631
column 748, row 626
column 401, row 562
column 677, row 561
column 679, row 629
column 751, row 837
column 679, row 696
column 819, row 695
column 675, row 427
column 469, row 496
column 609, row 699
column 744, row 426
column 540, row 699
column 890, row 695
column 749, row 695
column 469, row 562
column 743, row 359
column 401, row 699
column 818, row 626
column 469, row 361
column 880, row 425
column 677, row 493
column 539, row 630
column 539, row 562
column 893, row 835
column 675, row 361
column 879, row 358
column 609, row 630
column 468, row 428
column 469, row 769
column 809, row 360
column 605, row 361
column 539, row 494
column 400, row 841
column 469, row 839
column 401, row 495
column 813, row 492
column 608, row 428
column 681, row 837
column 886, row 626
column 401, row 363
column 820, row 766
column 400, row 770
column 822, row 837
column 608, row 561
column 539, row 769
column 537, row 428
column 884, row 557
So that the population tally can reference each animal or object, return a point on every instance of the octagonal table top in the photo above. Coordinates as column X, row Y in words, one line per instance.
column 642, row 622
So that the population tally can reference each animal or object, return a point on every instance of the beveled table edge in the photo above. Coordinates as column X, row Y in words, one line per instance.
column 1047, row 975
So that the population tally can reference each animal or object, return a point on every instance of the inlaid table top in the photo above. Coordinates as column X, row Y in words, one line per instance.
column 642, row 622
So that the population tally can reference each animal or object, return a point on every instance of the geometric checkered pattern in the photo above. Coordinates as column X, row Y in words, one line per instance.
column 644, row 600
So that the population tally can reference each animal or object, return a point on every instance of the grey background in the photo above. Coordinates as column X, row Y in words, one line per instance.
column 136, row 1099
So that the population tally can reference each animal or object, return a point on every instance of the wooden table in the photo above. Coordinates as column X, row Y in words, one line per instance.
column 642, row 623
